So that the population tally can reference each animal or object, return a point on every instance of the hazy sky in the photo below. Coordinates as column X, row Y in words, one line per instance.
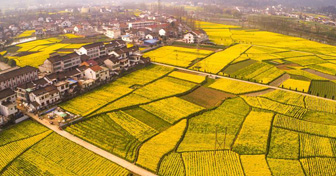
column 54, row 3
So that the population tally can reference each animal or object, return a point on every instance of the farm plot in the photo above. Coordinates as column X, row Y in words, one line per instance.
column 216, row 62
column 236, row 87
column 252, row 138
column 90, row 102
column 154, row 149
column 172, row 109
column 304, row 74
column 319, row 166
column 226, row 120
column 280, row 167
column 10, row 151
column 311, row 146
column 27, row 33
column 325, row 89
column 164, row 87
column 328, row 68
column 317, row 104
column 232, row 68
column 320, row 117
column 212, row 163
column 55, row 155
column 207, row 97
column 304, row 126
column 133, row 126
column 127, row 101
column 177, row 56
column 255, row 165
column 19, row 132
column 172, row 165
column 290, row 98
column 307, row 60
column 104, row 132
column 264, row 103
column 148, row 118
column 188, row 76
column 284, row 144
column 260, row 72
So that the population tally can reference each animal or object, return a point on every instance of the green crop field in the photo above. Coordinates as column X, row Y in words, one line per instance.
column 325, row 89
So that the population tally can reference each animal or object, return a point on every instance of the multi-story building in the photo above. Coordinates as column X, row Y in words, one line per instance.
column 113, row 33
column 115, row 44
column 7, row 104
column 140, row 24
column 43, row 97
column 61, row 63
column 12, row 79
column 93, row 50
column 98, row 73
column 197, row 36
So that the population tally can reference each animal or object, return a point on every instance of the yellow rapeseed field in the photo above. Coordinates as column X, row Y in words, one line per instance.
column 216, row 62
column 236, row 87
column 255, row 165
column 153, row 150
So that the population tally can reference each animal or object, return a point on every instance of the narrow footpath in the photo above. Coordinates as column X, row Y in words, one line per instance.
column 123, row 163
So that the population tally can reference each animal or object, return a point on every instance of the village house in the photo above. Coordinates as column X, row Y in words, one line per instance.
column 197, row 36
column 68, row 30
column 66, row 24
column 140, row 24
column 24, row 90
column 7, row 105
column 12, row 79
column 98, row 73
column 44, row 97
column 93, row 50
column 61, row 63
column 112, row 33
column 124, row 64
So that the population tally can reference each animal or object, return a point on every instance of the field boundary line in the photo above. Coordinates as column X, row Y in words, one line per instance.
column 223, row 77
column 109, row 156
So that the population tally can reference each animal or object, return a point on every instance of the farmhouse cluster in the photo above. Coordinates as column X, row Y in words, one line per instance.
column 145, row 28
column 63, row 77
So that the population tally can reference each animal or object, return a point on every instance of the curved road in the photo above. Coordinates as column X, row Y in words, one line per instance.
column 123, row 163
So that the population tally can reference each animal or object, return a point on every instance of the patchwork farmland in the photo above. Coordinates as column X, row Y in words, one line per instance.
column 174, row 122
column 260, row 56
column 169, row 127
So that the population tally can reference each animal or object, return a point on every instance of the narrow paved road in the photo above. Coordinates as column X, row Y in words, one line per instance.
column 4, row 66
column 123, row 163
column 218, row 76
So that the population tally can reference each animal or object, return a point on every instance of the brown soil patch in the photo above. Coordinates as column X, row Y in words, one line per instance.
column 207, row 97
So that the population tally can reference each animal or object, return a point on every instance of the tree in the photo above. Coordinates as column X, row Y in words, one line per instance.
column 12, row 63
column 5, row 60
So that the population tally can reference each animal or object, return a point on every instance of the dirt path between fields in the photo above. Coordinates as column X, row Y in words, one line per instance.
column 280, row 80
column 223, row 77
column 323, row 75
column 123, row 163
column 255, row 94
column 4, row 66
